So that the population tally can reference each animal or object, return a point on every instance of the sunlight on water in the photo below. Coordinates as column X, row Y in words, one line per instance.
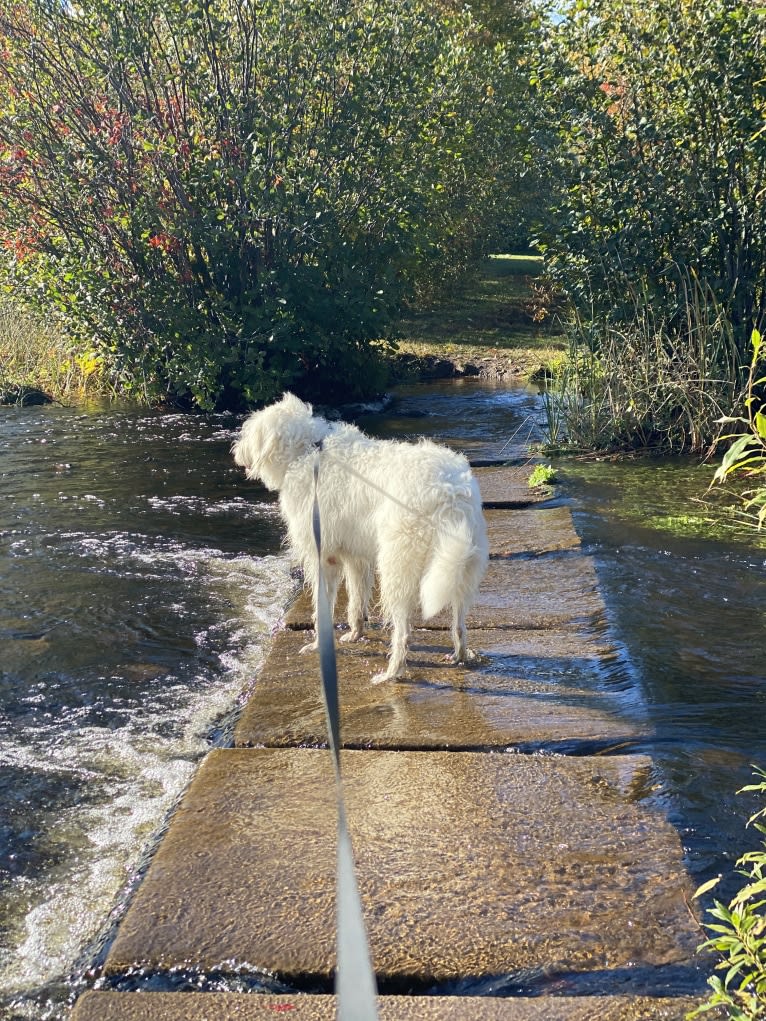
column 140, row 581
column 133, row 774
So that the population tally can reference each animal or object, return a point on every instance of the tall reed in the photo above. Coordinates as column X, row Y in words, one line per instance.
column 656, row 381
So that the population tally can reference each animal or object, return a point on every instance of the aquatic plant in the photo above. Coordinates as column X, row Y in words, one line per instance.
column 542, row 475
column 739, row 933
column 747, row 453
column 645, row 382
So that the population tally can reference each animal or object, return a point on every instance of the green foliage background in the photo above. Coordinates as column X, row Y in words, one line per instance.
column 650, row 116
column 225, row 198
column 654, row 125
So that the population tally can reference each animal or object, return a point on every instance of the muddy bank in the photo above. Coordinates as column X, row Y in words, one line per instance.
column 511, row 366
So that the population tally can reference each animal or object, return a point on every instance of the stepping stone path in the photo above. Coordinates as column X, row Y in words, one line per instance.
column 503, row 827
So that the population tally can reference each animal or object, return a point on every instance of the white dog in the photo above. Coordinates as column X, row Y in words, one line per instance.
column 410, row 512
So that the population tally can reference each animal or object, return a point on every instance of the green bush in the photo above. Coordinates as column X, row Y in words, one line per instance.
column 650, row 116
column 739, row 934
column 224, row 198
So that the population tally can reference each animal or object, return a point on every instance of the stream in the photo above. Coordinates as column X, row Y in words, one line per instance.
column 141, row 577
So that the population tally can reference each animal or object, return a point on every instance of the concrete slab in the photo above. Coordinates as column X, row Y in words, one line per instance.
column 508, row 486
column 534, row 594
column 530, row 531
column 544, row 593
column 98, row 1006
column 530, row 690
column 469, row 865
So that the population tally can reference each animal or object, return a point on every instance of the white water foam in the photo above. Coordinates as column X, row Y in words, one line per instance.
column 137, row 773
column 201, row 506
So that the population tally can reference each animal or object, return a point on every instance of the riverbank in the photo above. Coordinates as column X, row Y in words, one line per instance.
column 39, row 365
column 499, row 323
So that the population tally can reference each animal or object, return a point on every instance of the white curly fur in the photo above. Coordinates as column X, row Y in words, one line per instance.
column 410, row 512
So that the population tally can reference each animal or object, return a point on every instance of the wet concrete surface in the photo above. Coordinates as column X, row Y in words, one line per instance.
column 523, row 593
column 481, row 853
column 530, row 531
column 241, row 1007
column 529, row 689
column 509, row 487
column 469, row 864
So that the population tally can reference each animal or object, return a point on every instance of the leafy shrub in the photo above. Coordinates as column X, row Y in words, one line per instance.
column 747, row 453
column 739, row 934
column 650, row 116
column 658, row 156
column 224, row 198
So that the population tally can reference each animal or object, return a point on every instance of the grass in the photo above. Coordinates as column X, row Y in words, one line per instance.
column 36, row 357
column 502, row 314
column 657, row 381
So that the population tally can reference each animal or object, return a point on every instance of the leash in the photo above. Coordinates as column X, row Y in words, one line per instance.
column 355, row 987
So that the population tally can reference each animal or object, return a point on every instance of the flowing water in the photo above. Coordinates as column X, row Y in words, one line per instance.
column 686, row 606
column 141, row 575
column 687, row 599
column 140, row 578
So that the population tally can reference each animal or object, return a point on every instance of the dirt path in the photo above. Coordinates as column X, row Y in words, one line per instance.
column 501, row 324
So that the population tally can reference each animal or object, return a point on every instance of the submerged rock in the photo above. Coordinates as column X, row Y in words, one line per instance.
column 21, row 395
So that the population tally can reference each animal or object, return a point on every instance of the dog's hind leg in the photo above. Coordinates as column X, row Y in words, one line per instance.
column 462, row 653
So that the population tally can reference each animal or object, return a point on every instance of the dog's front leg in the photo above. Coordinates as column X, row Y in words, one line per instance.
column 398, row 597
column 331, row 577
column 397, row 658
column 397, row 653
column 358, row 577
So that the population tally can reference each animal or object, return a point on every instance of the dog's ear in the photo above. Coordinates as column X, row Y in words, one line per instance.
column 295, row 405
column 248, row 449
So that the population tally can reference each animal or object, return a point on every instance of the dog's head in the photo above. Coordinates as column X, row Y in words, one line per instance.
column 272, row 439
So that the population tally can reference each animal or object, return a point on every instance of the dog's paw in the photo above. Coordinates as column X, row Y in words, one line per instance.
column 308, row 647
column 466, row 659
column 352, row 636
column 389, row 675
column 379, row 678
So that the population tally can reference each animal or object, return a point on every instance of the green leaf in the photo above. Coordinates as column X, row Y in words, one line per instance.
column 734, row 458
column 709, row 885
column 732, row 973
column 756, row 341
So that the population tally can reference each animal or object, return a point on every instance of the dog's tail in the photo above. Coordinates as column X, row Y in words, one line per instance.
column 457, row 564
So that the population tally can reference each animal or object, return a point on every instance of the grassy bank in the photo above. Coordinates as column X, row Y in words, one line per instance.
column 36, row 360
column 501, row 319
